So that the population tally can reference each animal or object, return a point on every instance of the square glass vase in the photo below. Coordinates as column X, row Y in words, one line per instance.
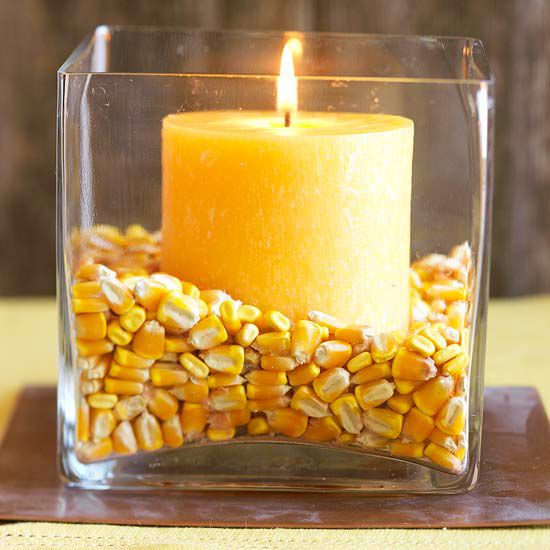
column 269, row 281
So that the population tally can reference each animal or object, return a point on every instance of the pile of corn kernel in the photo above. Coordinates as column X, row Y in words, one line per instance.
column 162, row 363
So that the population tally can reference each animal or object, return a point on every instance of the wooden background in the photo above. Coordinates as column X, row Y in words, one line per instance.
column 37, row 35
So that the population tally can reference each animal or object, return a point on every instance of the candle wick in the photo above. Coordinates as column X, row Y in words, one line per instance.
column 287, row 119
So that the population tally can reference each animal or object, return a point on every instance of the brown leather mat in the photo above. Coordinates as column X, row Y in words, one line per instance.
column 513, row 488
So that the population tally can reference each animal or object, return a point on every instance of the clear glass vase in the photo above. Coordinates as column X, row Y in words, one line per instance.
column 263, row 297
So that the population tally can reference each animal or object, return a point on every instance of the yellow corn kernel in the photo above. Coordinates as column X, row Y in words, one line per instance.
column 102, row 400
column 354, row 334
column 446, row 354
column 168, row 281
column 247, row 334
column 443, row 440
column 373, row 393
column 460, row 453
column 207, row 333
column 372, row 440
column 331, row 384
column 123, row 387
column 171, row 432
column 129, row 407
column 374, row 372
column 148, row 432
column 322, row 429
column 383, row 347
column 409, row 365
column 325, row 320
column 332, row 354
column 401, row 404
column 91, row 326
column 87, row 348
column 348, row 413
column 168, row 374
column 255, row 391
column 225, row 358
column 451, row 418
column 90, row 305
column 220, row 435
column 273, row 343
column 277, row 364
column 399, row 336
column 421, row 344
column 433, row 394
column 193, row 365
column 456, row 366
column 231, row 398
column 249, row 314
column 94, row 368
column 383, row 422
column 306, row 336
column 451, row 335
column 193, row 418
column 221, row 379
column 175, row 344
column 83, row 421
column 461, row 386
column 450, row 291
column 190, row 290
column 417, row 426
column 117, row 334
column 266, row 378
column 95, row 450
column 128, row 358
column 435, row 337
column 124, row 440
column 117, row 294
column 88, row 289
column 258, row 426
column 346, row 438
column 304, row 374
column 163, row 404
column 442, row 457
column 251, row 358
column 92, row 272
column 148, row 341
column 178, row 311
column 410, row 450
column 88, row 387
column 259, row 405
column 169, row 357
column 133, row 319
column 128, row 373
column 214, row 295
column 359, row 362
column 229, row 419
column 286, row 421
column 194, row 391
column 419, row 310
column 406, row 386
column 229, row 313
column 149, row 293
column 102, row 423
column 276, row 321
column 456, row 313
column 305, row 400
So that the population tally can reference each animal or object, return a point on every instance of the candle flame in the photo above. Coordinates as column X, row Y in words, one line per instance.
column 287, row 85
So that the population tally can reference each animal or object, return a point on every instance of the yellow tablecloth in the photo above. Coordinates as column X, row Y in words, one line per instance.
column 518, row 331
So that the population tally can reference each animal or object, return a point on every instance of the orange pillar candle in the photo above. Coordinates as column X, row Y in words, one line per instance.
column 313, row 216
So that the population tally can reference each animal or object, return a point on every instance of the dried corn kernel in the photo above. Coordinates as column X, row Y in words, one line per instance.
column 325, row 320
column 214, row 295
column 102, row 423
column 90, row 386
column 163, row 404
column 460, row 453
column 149, row 293
column 88, row 289
column 451, row 335
column 417, row 426
column 178, row 311
column 174, row 344
column 399, row 336
column 251, row 358
column 372, row 440
column 332, row 354
column 193, row 419
column 278, row 364
column 87, row 348
column 98, row 371
column 289, row 422
column 354, row 334
column 407, row 386
column 207, row 333
column 383, row 347
column 421, row 344
column 148, row 432
column 443, row 440
column 225, row 358
column 267, row 378
column 231, row 398
column 322, row 429
column 304, row 374
column 124, row 440
column 128, row 358
column 442, row 457
column 359, row 362
column 305, row 400
column 168, row 281
column 171, row 432
column 456, row 366
column 229, row 419
column 383, row 422
column 446, row 354
column 133, row 319
column 258, row 426
column 122, row 387
column 129, row 407
column 117, row 334
column 221, row 379
column 331, row 384
column 435, row 337
column 348, row 413
column 409, row 365
column 433, row 394
column 118, row 295
column 400, row 403
column 306, row 336
column 456, row 313
column 273, row 343
column 220, row 435
column 229, row 312
column 259, row 405
column 247, row 334
column 83, row 421
column 249, row 314
column 194, row 391
column 95, row 450
column 374, row 393
column 276, row 321
column 193, row 365
column 451, row 417
column 91, row 326
column 374, row 372
column 168, row 374
column 102, row 400
column 410, row 450
column 93, row 272
column 254, row 391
